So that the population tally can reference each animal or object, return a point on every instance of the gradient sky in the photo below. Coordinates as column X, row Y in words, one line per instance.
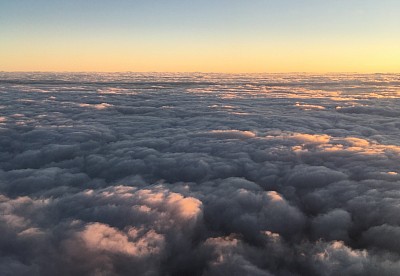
column 200, row 35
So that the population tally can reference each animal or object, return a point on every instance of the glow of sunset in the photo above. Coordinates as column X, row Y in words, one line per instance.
column 200, row 35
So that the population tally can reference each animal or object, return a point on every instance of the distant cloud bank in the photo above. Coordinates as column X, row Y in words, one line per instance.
column 199, row 174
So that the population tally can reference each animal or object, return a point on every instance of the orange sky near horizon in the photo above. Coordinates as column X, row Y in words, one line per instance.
column 129, row 37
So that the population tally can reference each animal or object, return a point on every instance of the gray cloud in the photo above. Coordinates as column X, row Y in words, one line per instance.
column 195, row 174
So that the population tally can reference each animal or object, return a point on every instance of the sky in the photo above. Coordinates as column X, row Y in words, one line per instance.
column 200, row 36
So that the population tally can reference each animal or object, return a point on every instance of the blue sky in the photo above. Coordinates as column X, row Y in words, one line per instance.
column 260, row 24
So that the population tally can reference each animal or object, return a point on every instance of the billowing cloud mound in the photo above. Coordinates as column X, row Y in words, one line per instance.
column 195, row 174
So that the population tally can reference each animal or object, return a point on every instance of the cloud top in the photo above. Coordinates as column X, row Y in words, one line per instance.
column 199, row 174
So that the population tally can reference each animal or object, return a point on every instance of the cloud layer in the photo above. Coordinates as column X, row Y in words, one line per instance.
column 199, row 174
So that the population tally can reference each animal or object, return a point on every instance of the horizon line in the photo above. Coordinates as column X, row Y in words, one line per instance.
column 200, row 72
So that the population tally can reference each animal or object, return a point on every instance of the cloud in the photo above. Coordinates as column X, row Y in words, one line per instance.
column 101, row 237
column 167, row 174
